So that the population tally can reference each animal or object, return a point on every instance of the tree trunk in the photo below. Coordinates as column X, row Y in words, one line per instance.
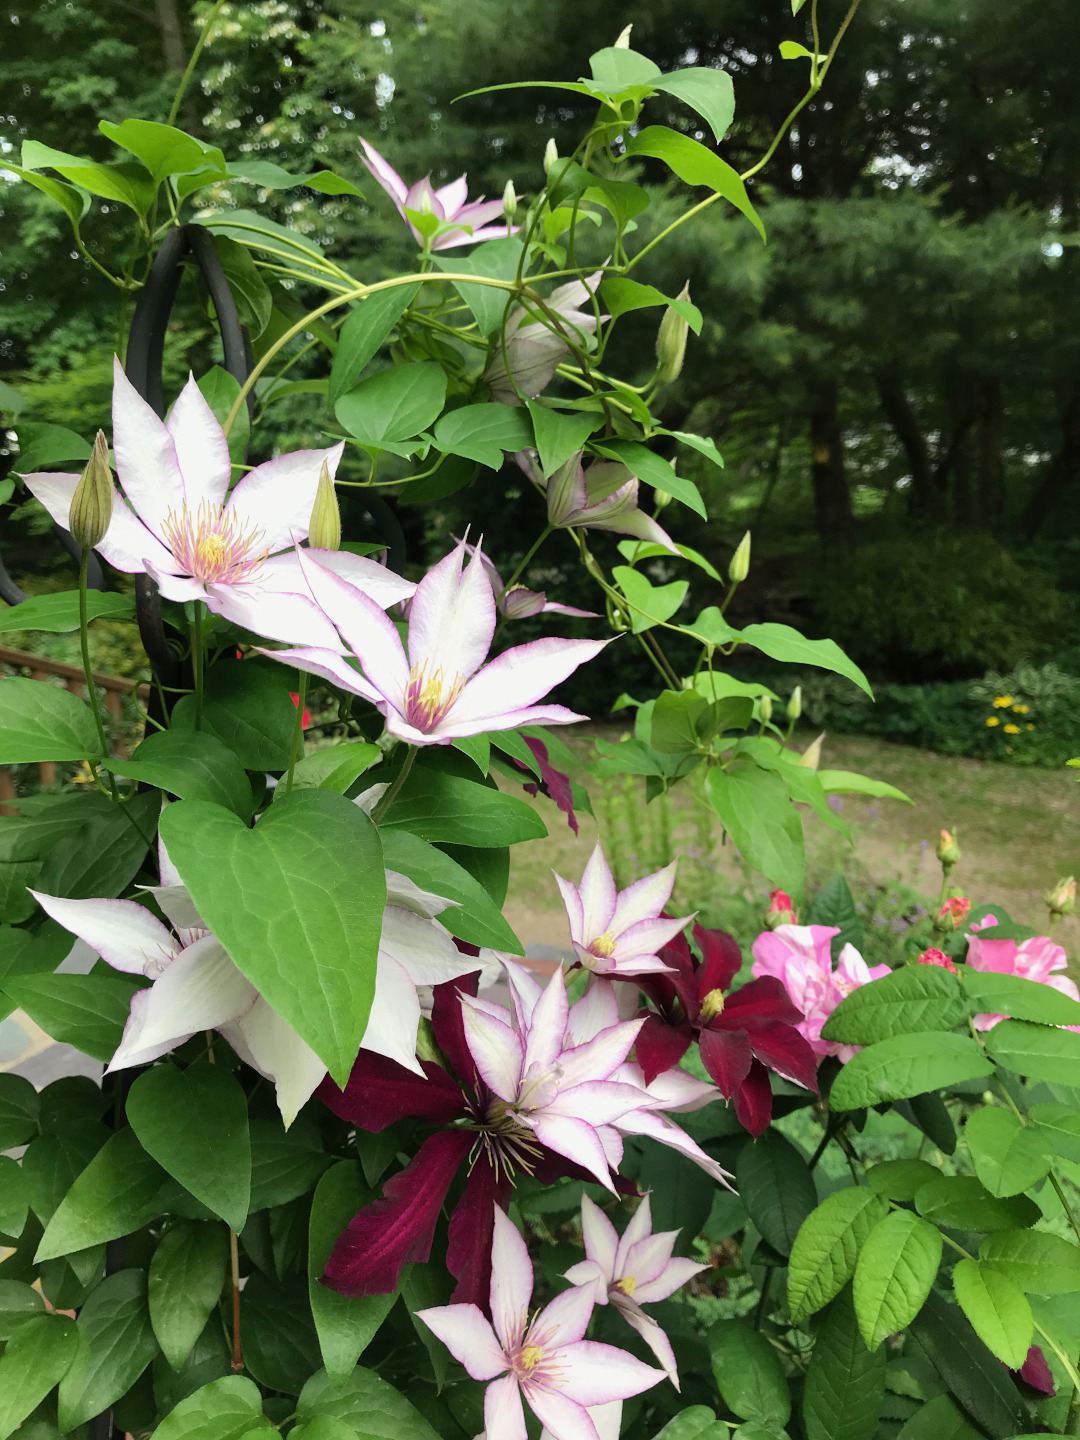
column 172, row 35
column 1062, row 472
column 900, row 415
column 832, row 499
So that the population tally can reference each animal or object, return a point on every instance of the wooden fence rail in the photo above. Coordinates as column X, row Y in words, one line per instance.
column 114, row 686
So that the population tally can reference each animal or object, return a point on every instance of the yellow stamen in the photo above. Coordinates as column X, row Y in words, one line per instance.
column 712, row 1005
column 530, row 1358
column 627, row 1285
column 603, row 946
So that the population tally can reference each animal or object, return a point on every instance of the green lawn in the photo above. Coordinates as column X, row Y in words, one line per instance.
column 1019, row 830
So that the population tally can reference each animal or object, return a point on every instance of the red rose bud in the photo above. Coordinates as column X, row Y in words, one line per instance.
column 936, row 957
column 781, row 910
column 948, row 851
column 954, row 912
column 1061, row 900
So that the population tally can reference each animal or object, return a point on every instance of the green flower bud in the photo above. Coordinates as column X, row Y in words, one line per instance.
column 551, row 154
column 948, row 851
column 740, row 561
column 509, row 201
column 425, row 206
column 1061, row 899
column 91, row 505
column 623, row 42
column 661, row 499
column 765, row 709
column 671, row 342
column 324, row 529
column 794, row 705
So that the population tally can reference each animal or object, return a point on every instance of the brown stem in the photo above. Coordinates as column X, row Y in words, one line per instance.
column 234, row 1257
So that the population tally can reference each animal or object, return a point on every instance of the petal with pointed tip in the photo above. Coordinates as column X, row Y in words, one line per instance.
column 658, row 1127
column 202, row 451
column 644, row 899
column 511, row 1279
column 782, row 1048
column 652, row 1334
column 599, row 1057
column 564, row 1319
column 293, row 618
column 644, row 939
column 599, row 1235
column 596, row 1374
column 675, row 1275
column 452, row 197
column 562, row 1418
column 368, row 632
column 495, row 1048
column 379, row 1092
column 123, row 933
column 378, row 582
column 468, row 1247
column 276, row 497
column 753, row 1100
column 469, row 1338
column 145, row 455
column 727, row 1057
column 270, row 1044
column 452, row 619
column 578, row 1141
column 328, row 665
column 599, row 896
column 384, row 173
column 597, row 1010
column 518, row 678
column 660, row 1046
column 503, row 1412
column 547, row 1025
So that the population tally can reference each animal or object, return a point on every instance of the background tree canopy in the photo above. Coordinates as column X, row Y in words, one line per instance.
column 894, row 379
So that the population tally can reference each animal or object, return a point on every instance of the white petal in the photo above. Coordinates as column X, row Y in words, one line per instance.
column 276, row 497
column 652, row 1334
column 503, row 1413
column 422, row 948
column 407, row 895
column 639, row 1227
column 563, row 1319
column 292, row 618
column 123, row 933
column 453, row 727
column 562, row 1418
column 598, row 1009
column 511, row 1280
column 525, row 992
column 453, row 196
column 452, row 616
column 378, row 582
column 577, row 1140
column 468, row 1336
column 588, row 1272
column 646, row 1256
column 495, row 1048
column 547, row 1025
column 644, row 899
column 674, row 1276
column 127, row 543
column 601, row 1240
column 599, row 896
column 145, row 456
column 596, row 1374
column 394, row 1015
column 179, row 588
column 518, row 678
column 384, row 173
column 201, row 448
column 368, row 632
column 600, row 1057
column 601, row 1102
column 178, row 905
column 329, row 666
column 643, row 939
column 574, row 912
column 648, row 1122
column 276, row 1051
column 201, row 990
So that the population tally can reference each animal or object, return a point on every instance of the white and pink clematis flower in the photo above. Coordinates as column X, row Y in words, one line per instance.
column 450, row 204
column 177, row 522
column 1036, row 958
column 618, row 932
column 800, row 957
column 196, row 986
column 531, row 349
column 635, row 1269
column 439, row 688
column 545, row 1361
column 603, row 496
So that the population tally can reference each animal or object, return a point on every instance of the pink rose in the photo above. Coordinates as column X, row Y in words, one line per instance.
column 1033, row 959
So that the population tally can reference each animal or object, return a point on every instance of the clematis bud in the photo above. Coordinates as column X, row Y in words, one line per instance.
column 92, row 503
column 948, row 851
column 933, row 956
column 811, row 756
column 425, row 205
column 740, row 561
column 551, row 154
column 671, row 343
column 781, row 910
column 509, row 201
column 623, row 42
column 1061, row 899
column 765, row 709
column 794, row 705
column 661, row 499
column 324, row 528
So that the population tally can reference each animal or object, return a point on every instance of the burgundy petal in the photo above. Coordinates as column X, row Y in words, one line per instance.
column 726, row 1056
column 555, row 782
column 447, row 1022
column 468, row 1254
column 367, row 1257
column 1036, row 1372
column 660, row 1045
column 753, row 1100
column 380, row 1091
column 759, row 1001
column 721, row 959
column 782, row 1048
column 663, row 989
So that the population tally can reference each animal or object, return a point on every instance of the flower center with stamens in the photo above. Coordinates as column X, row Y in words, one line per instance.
column 212, row 546
column 530, row 1358
column 603, row 946
column 712, row 1005
column 627, row 1285
column 428, row 698
column 507, row 1145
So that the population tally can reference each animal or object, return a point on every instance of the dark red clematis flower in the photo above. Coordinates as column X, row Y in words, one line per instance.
column 741, row 1035
column 555, row 783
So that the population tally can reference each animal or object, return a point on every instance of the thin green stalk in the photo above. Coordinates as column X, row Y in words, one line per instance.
column 298, row 728
column 197, row 659
column 1074, row 1220
column 528, row 556
column 391, row 794
column 185, row 79
column 84, row 643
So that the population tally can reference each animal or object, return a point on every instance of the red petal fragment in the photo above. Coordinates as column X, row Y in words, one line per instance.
column 447, row 1021
column 380, row 1091
column 660, row 1045
column 727, row 1057
column 721, row 960
column 555, row 782
column 782, row 1048
column 753, row 1100
column 758, row 1001
column 468, row 1253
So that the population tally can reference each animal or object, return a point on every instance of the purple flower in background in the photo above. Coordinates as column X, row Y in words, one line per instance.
column 450, row 203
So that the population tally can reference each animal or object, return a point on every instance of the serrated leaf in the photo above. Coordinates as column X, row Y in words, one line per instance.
column 749, row 1374
column 894, row 1273
column 913, row 999
column 1009, row 1156
column 827, row 1247
column 1037, row 1262
column 1039, row 1052
column 998, row 1310
column 845, row 1384
column 906, row 1065
column 1018, row 998
column 964, row 1203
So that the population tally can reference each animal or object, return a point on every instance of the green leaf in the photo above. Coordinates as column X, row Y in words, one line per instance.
column 907, row 1065
column 19, row 1302
column 226, row 1409
column 900, row 1179
column 38, row 721
column 19, row 1108
column 73, row 202
column 707, row 91
column 284, row 1163
column 559, row 433
column 297, row 902
column 621, row 295
column 696, row 165
column 974, row 1377
column 1060, row 1123
column 1009, row 1156
column 1038, row 1263
column 269, row 176
column 716, row 686
column 59, row 613
column 801, row 783
column 781, row 642
column 777, row 1188
column 192, row 765
column 483, row 432
column 220, row 389
column 846, row 782
column 654, row 470
column 649, row 604
column 998, row 1310
column 634, row 551
column 1019, row 998
column 792, row 50
column 615, row 68
column 362, row 336
column 845, row 1384
column 474, row 916
column 186, row 1278
column 254, row 302
column 87, row 1011
column 345, row 1326
column 753, row 805
column 116, row 1345
column 280, row 243
column 446, row 808
column 119, row 1191
column 101, row 856
column 247, row 706
column 497, row 260
column 938, row 1419
column 827, row 1247
column 834, row 905
column 277, row 1333
column 125, row 182
column 913, row 999
column 749, row 1373
column 334, row 767
column 676, row 718
column 14, row 1198
column 929, row 1113
column 38, row 1355
column 895, row 1270
column 696, row 1422
column 161, row 148
column 394, row 405
column 44, row 447
column 367, row 1403
column 963, row 1202
column 701, row 443
column 194, row 1123
column 1036, row 1051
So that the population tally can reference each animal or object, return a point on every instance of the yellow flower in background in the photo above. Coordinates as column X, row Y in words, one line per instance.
column 1029, row 726
column 1021, row 709
column 1012, row 729
column 993, row 719
column 1002, row 702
